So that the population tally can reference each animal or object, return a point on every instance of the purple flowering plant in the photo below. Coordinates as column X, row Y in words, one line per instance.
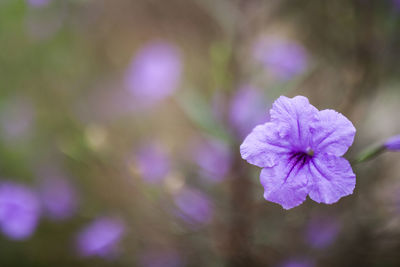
column 393, row 143
column 153, row 163
column 297, row 263
column 390, row 144
column 300, row 151
column 155, row 71
column 59, row 198
column 38, row 3
column 193, row 207
column 213, row 158
column 283, row 58
column 247, row 109
column 101, row 237
column 322, row 231
column 19, row 211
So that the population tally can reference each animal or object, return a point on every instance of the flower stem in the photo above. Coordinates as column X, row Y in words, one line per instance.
column 369, row 153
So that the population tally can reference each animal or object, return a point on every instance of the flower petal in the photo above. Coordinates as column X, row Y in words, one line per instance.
column 331, row 178
column 263, row 146
column 295, row 115
column 333, row 133
column 286, row 183
column 393, row 143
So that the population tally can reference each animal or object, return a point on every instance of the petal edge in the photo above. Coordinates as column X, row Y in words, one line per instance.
column 332, row 178
column 263, row 146
column 286, row 184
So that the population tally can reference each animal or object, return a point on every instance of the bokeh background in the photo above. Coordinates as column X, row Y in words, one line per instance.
column 121, row 121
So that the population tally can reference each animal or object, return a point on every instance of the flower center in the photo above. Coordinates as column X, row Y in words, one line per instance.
column 310, row 152
column 301, row 157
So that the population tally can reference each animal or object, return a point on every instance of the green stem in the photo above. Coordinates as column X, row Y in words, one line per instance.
column 369, row 153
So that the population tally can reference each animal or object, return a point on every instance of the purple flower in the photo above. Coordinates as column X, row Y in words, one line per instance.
column 396, row 4
column 214, row 159
column 248, row 109
column 282, row 58
column 58, row 197
column 296, row 263
column 57, row 194
column 160, row 258
column 393, row 143
column 38, row 3
column 154, row 72
column 100, row 238
column 152, row 163
column 300, row 152
column 322, row 232
column 194, row 207
column 19, row 211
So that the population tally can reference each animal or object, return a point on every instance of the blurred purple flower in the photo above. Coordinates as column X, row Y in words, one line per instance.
column 57, row 194
column 100, row 238
column 393, row 143
column 58, row 197
column 300, row 151
column 322, row 232
column 214, row 159
column 38, row 3
column 17, row 118
column 297, row 263
column 152, row 163
column 194, row 207
column 248, row 109
column 283, row 58
column 396, row 4
column 160, row 258
column 155, row 72
column 19, row 211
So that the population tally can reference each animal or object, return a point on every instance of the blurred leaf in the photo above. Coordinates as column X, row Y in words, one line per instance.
column 199, row 112
column 220, row 53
